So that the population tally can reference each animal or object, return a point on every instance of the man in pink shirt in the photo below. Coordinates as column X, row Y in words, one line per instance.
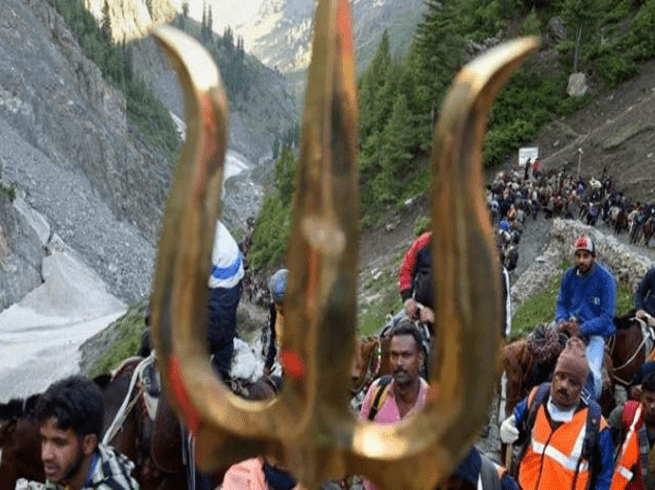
column 391, row 398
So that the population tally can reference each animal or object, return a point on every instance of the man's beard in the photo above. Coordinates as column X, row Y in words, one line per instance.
column 405, row 378
column 74, row 469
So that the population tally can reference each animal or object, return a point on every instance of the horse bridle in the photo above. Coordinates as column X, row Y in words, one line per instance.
column 612, row 343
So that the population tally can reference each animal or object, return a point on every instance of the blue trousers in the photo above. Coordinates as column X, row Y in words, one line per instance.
column 222, row 325
column 595, row 352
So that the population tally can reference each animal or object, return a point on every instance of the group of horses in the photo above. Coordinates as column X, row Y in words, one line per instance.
column 524, row 366
column 138, row 422
column 155, row 441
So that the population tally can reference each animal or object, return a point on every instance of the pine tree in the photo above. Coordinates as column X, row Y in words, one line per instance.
column 396, row 148
column 366, row 107
column 210, row 23
column 128, row 67
column 381, row 61
column 185, row 14
column 106, row 22
column 203, row 24
column 439, row 46
column 285, row 171
column 581, row 17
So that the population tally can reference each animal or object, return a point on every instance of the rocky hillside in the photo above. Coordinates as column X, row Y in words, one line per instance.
column 73, row 159
column 67, row 148
column 615, row 131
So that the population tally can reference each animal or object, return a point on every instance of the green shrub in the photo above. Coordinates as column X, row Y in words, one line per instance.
column 271, row 232
column 531, row 26
column 126, row 332
column 421, row 225
column 614, row 68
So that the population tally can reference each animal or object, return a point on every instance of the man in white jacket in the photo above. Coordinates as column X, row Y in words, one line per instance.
column 224, row 293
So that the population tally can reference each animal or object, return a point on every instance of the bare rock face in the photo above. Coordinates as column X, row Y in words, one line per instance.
column 57, row 112
column 131, row 19
column 627, row 266
column 556, row 32
column 21, row 252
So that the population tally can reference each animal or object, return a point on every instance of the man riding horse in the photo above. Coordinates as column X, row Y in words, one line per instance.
column 585, row 307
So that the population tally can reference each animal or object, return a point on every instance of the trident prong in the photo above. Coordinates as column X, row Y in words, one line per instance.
column 309, row 425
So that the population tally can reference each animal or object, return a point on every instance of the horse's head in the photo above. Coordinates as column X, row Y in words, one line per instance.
column 365, row 363
column 7, row 431
column 18, row 407
column 627, row 321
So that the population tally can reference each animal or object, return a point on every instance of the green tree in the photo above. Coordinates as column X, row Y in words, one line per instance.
column 185, row 14
column 581, row 18
column 397, row 144
column 285, row 171
column 106, row 22
column 276, row 147
column 381, row 61
column 439, row 47
column 210, row 24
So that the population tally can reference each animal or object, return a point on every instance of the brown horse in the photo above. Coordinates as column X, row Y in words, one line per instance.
column 21, row 445
column 18, row 459
column 521, row 371
column 366, row 363
column 627, row 348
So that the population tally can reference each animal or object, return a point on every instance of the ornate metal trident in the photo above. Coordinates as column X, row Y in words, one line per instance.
column 309, row 425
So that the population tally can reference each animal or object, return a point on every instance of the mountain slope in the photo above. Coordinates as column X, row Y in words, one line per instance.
column 280, row 35
column 70, row 152
column 616, row 132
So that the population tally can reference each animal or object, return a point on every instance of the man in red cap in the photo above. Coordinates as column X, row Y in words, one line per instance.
column 568, row 444
column 585, row 307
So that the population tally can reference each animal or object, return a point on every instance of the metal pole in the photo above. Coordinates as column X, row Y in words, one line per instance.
column 579, row 159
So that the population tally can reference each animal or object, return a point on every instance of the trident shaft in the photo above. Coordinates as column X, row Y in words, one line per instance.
column 309, row 425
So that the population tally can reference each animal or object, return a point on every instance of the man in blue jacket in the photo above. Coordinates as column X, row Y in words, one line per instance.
column 585, row 307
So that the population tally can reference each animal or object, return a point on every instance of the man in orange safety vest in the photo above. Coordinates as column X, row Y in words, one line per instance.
column 633, row 428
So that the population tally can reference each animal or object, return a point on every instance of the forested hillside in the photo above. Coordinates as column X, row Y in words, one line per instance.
column 256, row 92
column 115, row 61
column 399, row 98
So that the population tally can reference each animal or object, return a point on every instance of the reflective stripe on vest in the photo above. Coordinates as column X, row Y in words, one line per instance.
column 629, row 456
column 554, row 457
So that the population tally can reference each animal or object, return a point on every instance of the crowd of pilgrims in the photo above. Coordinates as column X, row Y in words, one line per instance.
column 515, row 196
column 560, row 437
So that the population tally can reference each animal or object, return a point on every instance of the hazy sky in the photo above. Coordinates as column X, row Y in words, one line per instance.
column 226, row 12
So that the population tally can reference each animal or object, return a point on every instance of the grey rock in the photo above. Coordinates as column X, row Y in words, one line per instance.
column 577, row 85
column 21, row 254
column 555, row 31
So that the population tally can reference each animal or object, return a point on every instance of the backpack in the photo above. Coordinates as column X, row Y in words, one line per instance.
column 379, row 395
column 530, row 416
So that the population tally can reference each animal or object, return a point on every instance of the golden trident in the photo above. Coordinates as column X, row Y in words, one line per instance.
column 309, row 425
